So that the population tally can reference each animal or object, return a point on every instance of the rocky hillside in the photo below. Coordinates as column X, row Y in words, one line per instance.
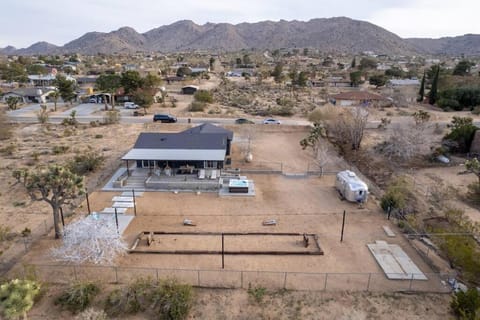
column 468, row 45
column 329, row 35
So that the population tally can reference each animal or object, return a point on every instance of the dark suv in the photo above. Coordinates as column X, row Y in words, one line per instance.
column 164, row 118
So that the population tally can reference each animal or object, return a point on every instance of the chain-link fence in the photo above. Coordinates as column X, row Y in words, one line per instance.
column 304, row 281
column 21, row 244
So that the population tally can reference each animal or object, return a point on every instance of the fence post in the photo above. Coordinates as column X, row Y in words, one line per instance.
column 156, row 272
column 410, row 285
column 285, row 281
column 116, row 275
column 198, row 278
column 325, row 285
column 281, row 166
column 46, row 227
column 75, row 273
column 241, row 279
column 368, row 283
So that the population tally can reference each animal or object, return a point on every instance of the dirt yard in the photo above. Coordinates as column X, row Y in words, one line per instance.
column 239, row 305
column 300, row 205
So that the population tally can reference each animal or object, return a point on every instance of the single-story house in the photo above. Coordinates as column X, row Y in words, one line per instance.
column 203, row 147
column 189, row 89
column 356, row 98
column 29, row 95
column 48, row 80
column 403, row 82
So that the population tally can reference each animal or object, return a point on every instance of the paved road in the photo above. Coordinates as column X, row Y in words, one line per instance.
column 86, row 114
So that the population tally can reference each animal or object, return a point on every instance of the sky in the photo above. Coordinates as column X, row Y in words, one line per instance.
column 24, row 22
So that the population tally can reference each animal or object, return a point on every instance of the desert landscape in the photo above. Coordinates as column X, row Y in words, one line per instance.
column 321, row 169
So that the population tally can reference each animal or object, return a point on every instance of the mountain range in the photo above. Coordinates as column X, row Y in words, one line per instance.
column 341, row 35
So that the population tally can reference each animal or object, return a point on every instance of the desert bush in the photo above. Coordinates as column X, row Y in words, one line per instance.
column 399, row 193
column 42, row 114
column 94, row 124
column 466, row 305
column 449, row 104
column 60, row 149
column 165, row 299
column 241, row 101
column 462, row 132
column 171, row 300
column 285, row 102
column 72, row 120
column 111, row 117
column 473, row 194
column 17, row 297
column 4, row 233
column 197, row 106
column 98, row 136
column 285, row 111
column 5, row 128
column 78, row 296
column 476, row 111
column 85, row 163
column 132, row 299
column 256, row 293
column 8, row 150
column 91, row 314
column 463, row 254
column 203, row 96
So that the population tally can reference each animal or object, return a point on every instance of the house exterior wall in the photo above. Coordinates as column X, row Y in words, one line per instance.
column 176, row 164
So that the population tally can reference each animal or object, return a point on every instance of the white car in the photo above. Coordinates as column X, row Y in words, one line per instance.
column 131, row 105
column 271, row 121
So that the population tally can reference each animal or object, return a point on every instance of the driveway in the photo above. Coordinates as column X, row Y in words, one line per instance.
column 84, row 109
column 25, row 111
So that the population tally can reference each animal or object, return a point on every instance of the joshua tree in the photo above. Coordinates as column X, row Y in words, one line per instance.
column 54, row 185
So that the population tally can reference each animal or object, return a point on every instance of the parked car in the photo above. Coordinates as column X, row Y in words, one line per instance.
column 164, row 118
column 131, row 105
column 243, row 121
column 271, row 121
column 92, row 100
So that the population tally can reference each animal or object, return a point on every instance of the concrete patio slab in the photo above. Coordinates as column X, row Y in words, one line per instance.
column 395, row 262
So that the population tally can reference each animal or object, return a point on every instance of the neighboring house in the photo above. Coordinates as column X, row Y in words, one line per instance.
column 199, row 70
column 356, row 98
column 40, row 80
column 338, row 82
column 403, row 82
column 203, row 147
column 29, row 95
column 189, row 89
column 241, row 72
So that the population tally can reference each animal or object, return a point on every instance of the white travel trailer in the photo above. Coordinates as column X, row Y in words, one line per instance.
column 351, row 187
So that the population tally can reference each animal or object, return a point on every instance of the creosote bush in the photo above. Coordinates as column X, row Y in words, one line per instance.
column 85, row 163
column 166, row 299
column 466, row 305
column 197, row 106
column 78, row 296
column 203, row 96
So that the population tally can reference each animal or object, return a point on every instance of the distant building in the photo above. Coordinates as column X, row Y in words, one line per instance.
column 357, row 98
column 189, row 89
column 403, row 82
column 29, row 95
column 48, row 80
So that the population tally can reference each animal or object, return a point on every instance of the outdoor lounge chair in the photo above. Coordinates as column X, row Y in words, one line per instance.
column 201, row 174
column 213, row 175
